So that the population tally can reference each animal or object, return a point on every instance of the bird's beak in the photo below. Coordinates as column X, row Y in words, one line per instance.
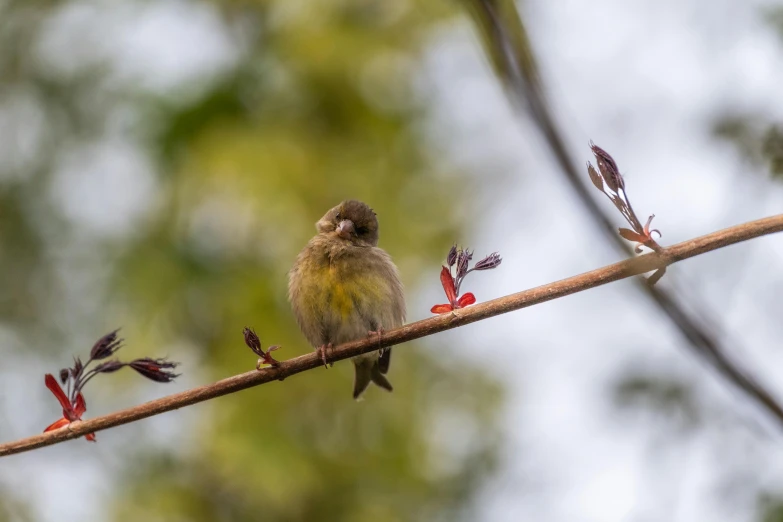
column 345, row 229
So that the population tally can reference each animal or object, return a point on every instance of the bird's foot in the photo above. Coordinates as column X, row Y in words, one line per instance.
column 321, row 350
column 379, row 332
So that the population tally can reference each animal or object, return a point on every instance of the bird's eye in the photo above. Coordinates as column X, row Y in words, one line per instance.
column 361, row 230
column 337, row 217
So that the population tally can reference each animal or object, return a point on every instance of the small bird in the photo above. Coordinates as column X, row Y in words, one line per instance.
column 342, row 288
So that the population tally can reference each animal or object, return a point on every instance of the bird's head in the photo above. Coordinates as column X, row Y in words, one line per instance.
column 350, row 221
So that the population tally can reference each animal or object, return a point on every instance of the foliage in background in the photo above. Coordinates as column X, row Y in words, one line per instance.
column 319, row 106
column 758, row 137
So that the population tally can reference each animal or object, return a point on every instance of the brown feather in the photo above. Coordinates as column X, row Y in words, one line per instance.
column 340, row 289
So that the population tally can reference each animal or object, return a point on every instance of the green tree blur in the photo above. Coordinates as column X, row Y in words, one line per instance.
column 319, row 105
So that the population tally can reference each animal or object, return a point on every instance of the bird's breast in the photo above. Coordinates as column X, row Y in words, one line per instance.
column 354, row 283
column 341, row 290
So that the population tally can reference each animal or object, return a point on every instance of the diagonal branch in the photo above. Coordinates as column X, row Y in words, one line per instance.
column 510, row 49
column 419, row 329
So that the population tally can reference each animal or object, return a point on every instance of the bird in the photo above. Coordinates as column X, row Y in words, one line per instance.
column 343, row 287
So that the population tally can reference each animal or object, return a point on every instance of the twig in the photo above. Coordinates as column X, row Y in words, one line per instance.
column 440, row 323
column 512, row 53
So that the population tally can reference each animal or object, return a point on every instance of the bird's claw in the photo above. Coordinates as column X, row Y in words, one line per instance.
column 379, row 332
column 321, row 350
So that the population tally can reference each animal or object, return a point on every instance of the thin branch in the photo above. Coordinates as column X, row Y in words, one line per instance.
column 512, row 54
column 419, row 329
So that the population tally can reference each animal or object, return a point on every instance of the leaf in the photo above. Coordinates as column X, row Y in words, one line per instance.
column 488, row 263
column 466, row 299
column 106, row 346
column 441, row 309
column 649, row 221
column 595, row 177
column 630, row 235
column 90, row 437
column 608, row 168
column 252, row 341
column 448, row 284
column 463, row 261
column 451, row 258
column 57, row 425
column 58, row 392
column 78, row 367
column 80, row 407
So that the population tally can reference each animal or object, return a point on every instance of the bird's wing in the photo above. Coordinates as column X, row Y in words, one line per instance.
column 396, row 296
column 305, row 292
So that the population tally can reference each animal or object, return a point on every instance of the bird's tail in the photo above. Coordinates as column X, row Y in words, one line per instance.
column 367, row 370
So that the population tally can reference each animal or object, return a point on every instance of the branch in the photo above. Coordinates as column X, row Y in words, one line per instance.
column 512, row 54
column 417, row 330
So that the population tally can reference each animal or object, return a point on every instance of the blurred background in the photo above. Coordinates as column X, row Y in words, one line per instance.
column 162, row 163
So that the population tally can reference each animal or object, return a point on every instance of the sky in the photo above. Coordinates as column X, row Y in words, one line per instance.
column 571, row 456
column 570, row 453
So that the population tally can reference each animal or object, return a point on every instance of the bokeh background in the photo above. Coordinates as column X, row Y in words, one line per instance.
column 162, row 162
